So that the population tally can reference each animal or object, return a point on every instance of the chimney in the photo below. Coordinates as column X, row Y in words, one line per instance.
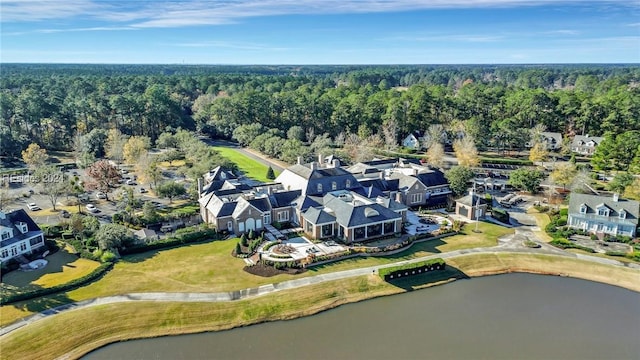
column 199, row 186
column 299, row 160
column 314, row 165
column 415, row 172
column 336, row 163
column 398, row 197
column 616, row 197
column 381, row 175
column 320, row 158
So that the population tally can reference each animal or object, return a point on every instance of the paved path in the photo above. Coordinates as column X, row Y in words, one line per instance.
column 507, row 244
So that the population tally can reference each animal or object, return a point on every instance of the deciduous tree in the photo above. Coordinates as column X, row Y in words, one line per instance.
column 466, row 152
column 135, row 148
column 526, row 179
column 103, row 176
column 34, row 156
column 435, row 155
column 538, row 152
column 170, row 190
column 53, row 183
column 112, row 236
column 563, row 174
column 459, row 177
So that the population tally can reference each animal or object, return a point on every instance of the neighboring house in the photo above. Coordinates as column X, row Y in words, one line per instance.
column 218, row 178
column 471, row 206
column 585, row 145
column 412, row 141
column 603, row 215
column 19, row 235
column 553, row 140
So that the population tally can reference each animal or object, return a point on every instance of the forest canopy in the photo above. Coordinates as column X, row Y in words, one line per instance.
column 53, row 105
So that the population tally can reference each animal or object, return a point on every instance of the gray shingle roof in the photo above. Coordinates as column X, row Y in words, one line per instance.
column 10, row 221
column 631, row 207
column 318, row 216
column 285, row 198
column 349, row 215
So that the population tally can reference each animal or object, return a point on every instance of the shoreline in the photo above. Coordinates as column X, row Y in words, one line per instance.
column 173, row 318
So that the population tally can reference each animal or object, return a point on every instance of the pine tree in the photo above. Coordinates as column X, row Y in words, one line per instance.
column 238, row 249
column 270, row 174
column 243, row 240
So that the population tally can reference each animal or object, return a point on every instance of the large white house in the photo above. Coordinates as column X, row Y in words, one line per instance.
column 603, row 214
column 585, row 145
column 19, row 234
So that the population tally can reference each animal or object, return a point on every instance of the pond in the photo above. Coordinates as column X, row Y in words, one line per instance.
column 498, row 317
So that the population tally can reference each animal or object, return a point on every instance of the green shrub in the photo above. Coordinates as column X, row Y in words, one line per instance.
column 108, row 256
column 566, row 244
column 389, row 270
column 564, row 212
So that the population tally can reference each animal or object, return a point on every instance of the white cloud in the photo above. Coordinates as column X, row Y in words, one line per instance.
column 179, row 13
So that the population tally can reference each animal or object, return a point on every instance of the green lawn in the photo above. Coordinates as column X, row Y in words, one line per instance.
column 250, row 167
column 209, row 267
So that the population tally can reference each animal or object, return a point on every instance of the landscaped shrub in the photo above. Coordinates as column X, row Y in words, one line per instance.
column 500, row 215
column 566, row 244
column 439, row 263
column 94, row 275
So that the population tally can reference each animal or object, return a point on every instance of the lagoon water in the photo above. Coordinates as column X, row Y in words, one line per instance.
column 515, row 316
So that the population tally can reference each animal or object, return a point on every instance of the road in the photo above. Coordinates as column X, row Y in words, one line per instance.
column 511, row 244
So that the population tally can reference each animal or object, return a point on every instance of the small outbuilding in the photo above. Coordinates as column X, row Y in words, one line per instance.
column 471, row 206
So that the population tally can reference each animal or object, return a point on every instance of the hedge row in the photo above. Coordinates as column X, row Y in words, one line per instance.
column 177, row 240
column 73, row 284
column 566, row 244
column 387, row 271
column 503, row 161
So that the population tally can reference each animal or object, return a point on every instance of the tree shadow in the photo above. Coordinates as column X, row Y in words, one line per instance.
column 46, row 304
column 415, row 282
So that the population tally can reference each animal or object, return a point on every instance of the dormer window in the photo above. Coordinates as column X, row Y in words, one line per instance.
column 348, row 183
column 334, row 185
column 603, row 211
column 583, row 209
column 622, row 214
column 5, row 235
column 319, row 188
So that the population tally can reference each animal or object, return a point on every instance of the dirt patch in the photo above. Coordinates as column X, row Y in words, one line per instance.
column 269, row 271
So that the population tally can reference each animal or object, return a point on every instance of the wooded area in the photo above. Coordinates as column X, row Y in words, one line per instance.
column 55, row 105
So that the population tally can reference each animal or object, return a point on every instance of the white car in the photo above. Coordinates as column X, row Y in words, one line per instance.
column 33, row 206
column 101, row 195
column 92, row 208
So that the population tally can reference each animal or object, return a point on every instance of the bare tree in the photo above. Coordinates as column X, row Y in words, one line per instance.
column 390, row 133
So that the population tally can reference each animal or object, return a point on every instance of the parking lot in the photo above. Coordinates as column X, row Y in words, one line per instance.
column 22, row 192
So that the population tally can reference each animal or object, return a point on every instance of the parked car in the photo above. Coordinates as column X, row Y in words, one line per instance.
column 143, row 190
column 65, row 214
column 101, row 195
column 33, row 206
column 92, row 208
column 131, row 182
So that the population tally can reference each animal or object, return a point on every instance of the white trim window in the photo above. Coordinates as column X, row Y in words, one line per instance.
column 319, row 188
column 5, row 235
column 416, row 198
column 603, row 211
column 283, row 216
column 622, row 214
column 348, row 183
column 583, row 209
column 267, row 218
column 334, row 185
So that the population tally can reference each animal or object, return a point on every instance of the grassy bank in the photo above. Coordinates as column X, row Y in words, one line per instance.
column 250, row 167
column 89, row 328
column 209, row 267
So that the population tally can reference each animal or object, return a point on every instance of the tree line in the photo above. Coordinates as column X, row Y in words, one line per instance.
column 58, row 106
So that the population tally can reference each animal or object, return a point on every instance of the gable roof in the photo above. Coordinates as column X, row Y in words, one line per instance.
column 404, row 181
column 11, row 219
column 581, row 140
column 285, row 198
column 219, row 174
column 432, row 177
column 220, row 208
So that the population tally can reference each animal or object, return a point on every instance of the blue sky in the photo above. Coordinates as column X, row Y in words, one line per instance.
column 320, row 31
